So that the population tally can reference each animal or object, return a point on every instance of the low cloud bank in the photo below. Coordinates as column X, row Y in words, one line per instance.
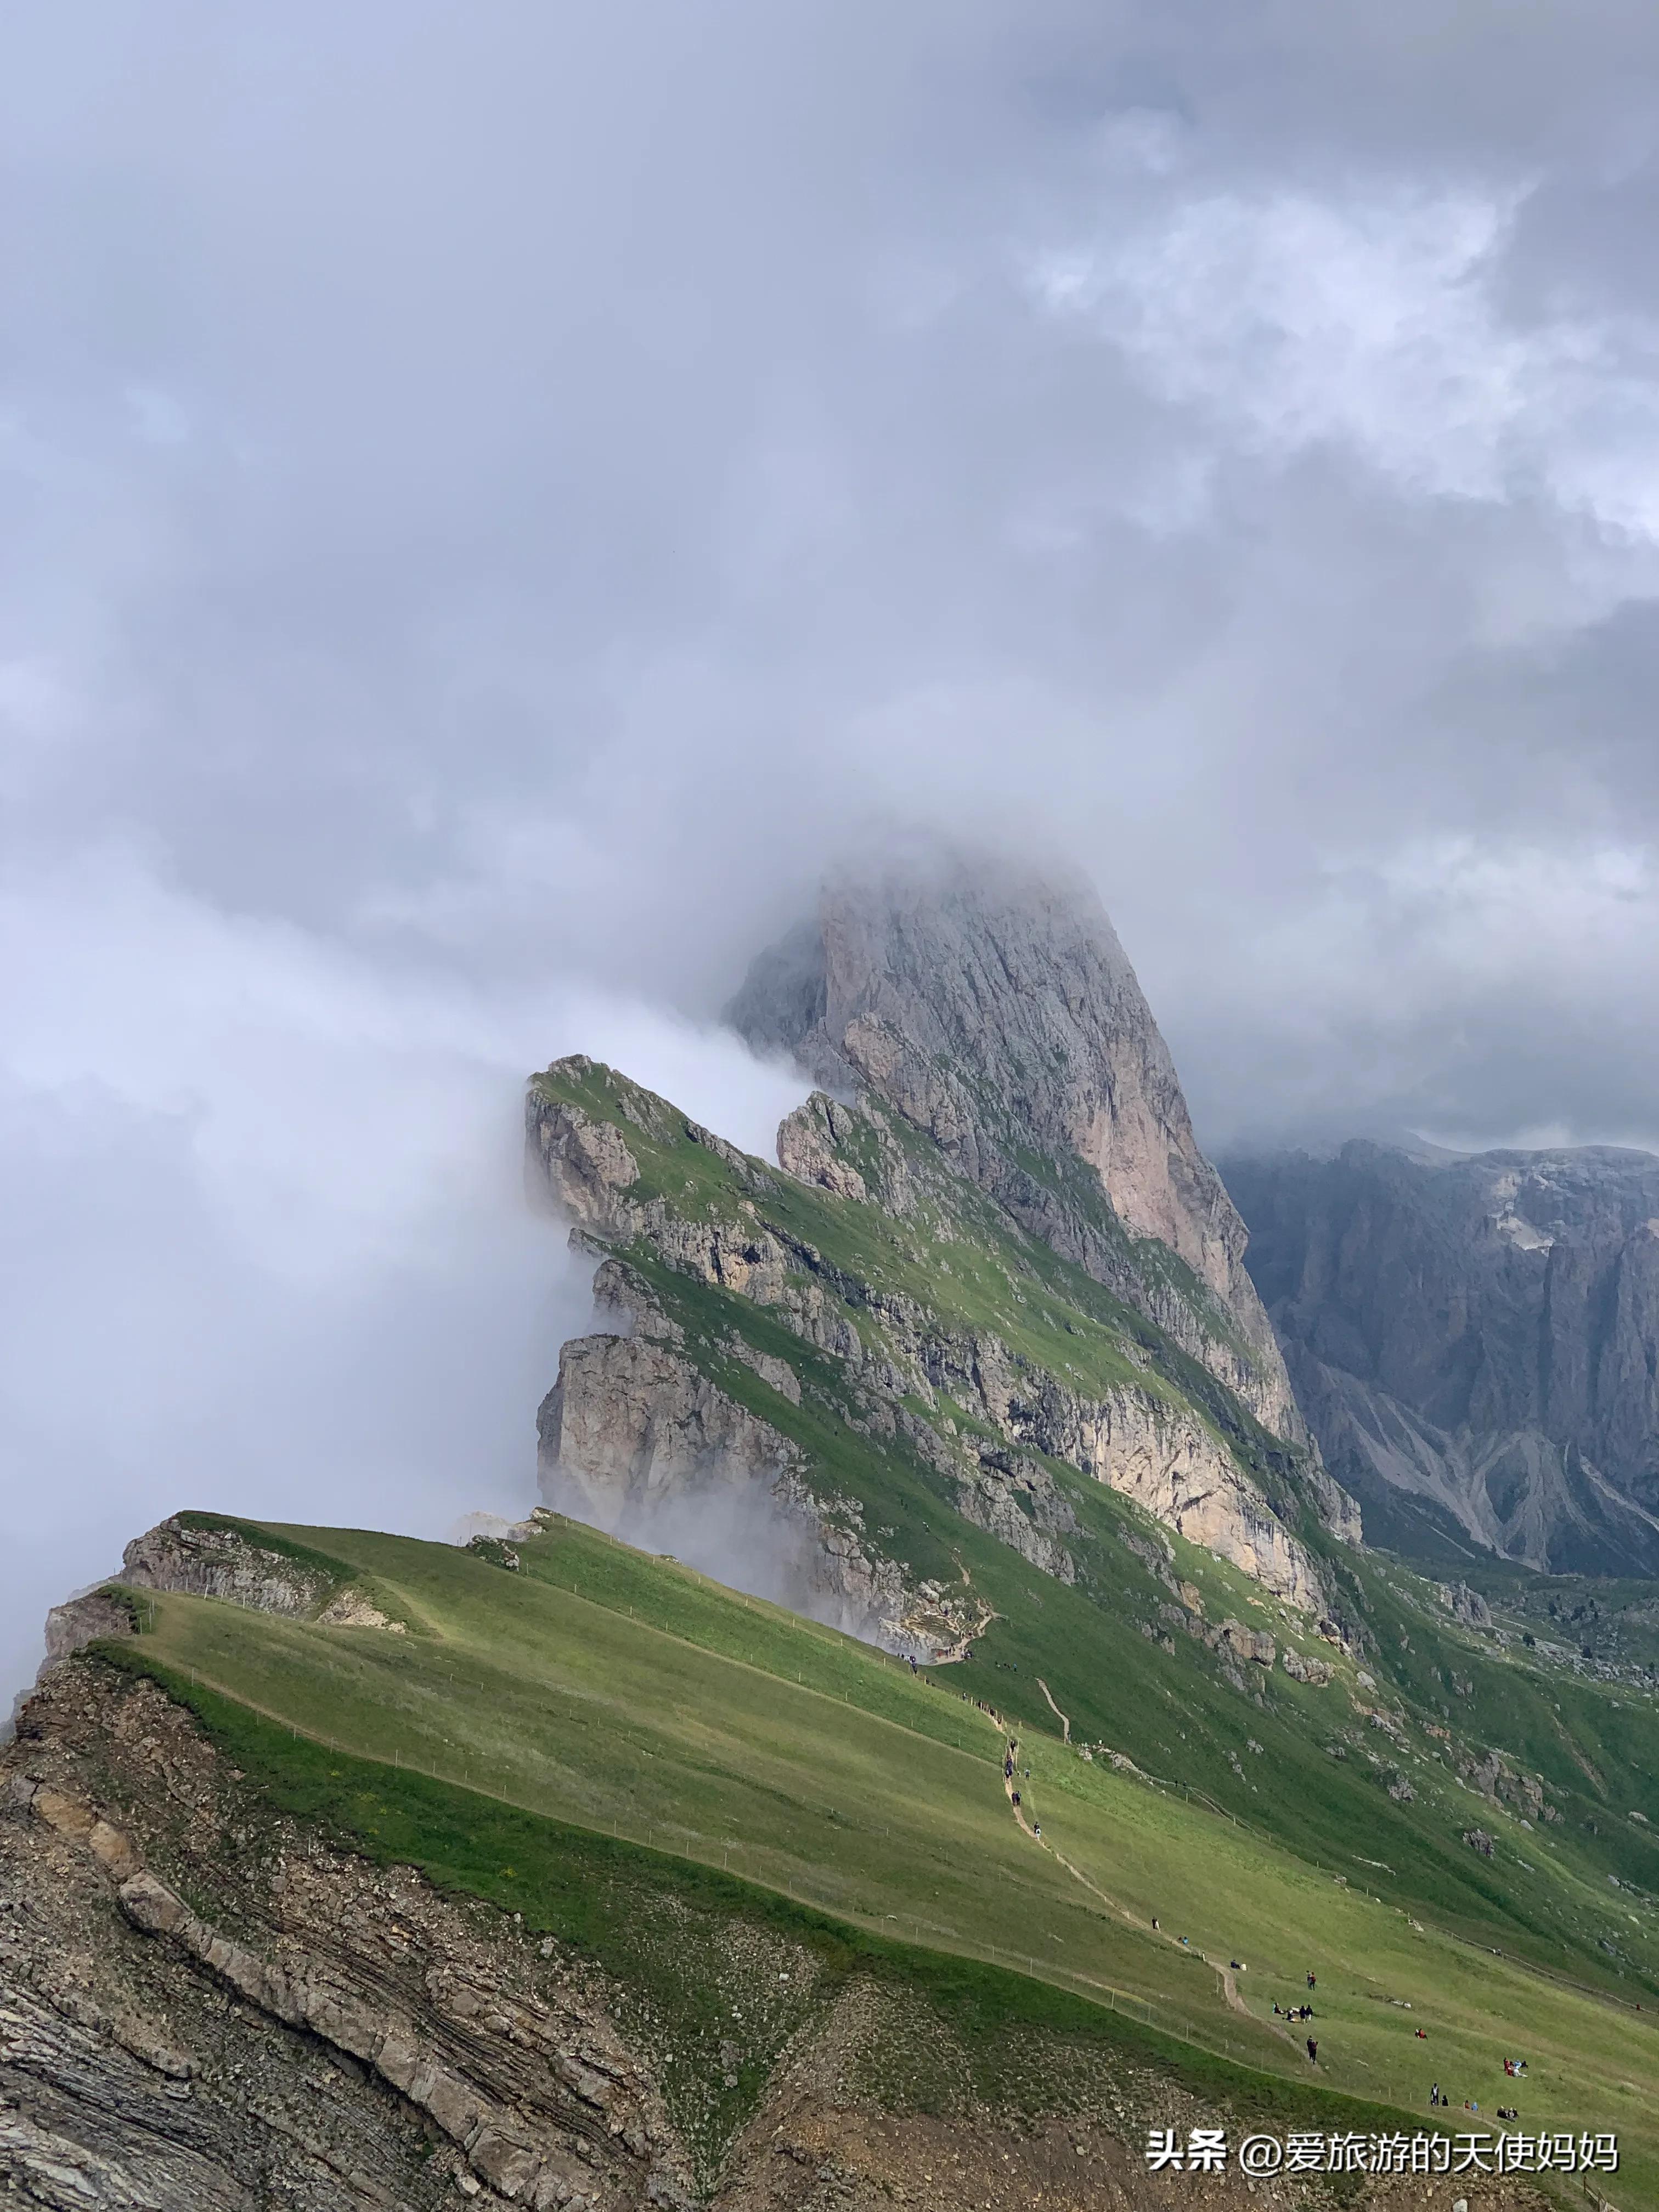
column 736, row 1532
column 268, row 1250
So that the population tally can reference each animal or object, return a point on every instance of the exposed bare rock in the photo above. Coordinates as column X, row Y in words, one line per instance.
column 1241, row 1643
column 1316, row 1672
column 628, row 1420
column 632, row 1428
column 351, row 1609
column 1464, row 1604
column 202, row 1559
column 223, row 1563
column 1015, row 1499
column 807, row 1147
column 1162, row 1458
column 996, row 1011
column 1474, row 1340
column 1496, row 1776
column 87, row 1620
column 326, row 2037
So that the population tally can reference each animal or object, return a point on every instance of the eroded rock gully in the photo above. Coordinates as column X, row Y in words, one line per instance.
column 207, row 2006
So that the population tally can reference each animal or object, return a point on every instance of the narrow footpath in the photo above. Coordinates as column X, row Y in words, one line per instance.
column 1010, row 1774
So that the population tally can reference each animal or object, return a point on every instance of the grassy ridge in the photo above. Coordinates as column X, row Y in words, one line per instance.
column 679, row 1940
column 1175, row 1712
column 625, row 1701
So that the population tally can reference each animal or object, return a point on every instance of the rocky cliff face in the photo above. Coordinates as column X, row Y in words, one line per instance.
column 305, row 2032
column 1475, row 1340
column 844, row 1309
column 205, row 1557
column 634, row 1439
column 996, row 1011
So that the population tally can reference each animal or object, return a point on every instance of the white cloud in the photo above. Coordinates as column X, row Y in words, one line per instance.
column 1373, row 319
column 267, row 1248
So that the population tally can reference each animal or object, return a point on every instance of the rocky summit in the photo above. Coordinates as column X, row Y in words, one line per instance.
column 941, row 1741
column 995, row 1012
column 1474, row 1341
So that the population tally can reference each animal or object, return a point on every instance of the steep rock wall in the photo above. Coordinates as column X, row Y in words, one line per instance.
column 632, row 1421
column 995, row 1010
column 636, row 1439
column 1476, row 1337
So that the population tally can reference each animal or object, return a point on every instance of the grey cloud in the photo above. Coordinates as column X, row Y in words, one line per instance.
column 492, row 501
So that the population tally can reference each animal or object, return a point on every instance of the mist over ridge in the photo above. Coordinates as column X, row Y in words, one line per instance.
column 494, row 508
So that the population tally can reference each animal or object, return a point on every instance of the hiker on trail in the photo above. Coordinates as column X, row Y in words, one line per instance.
column 1313, row 2051
column 1154, row 1920
column 1434, row 2094
column 1015, row 1796
column 1036, row 1829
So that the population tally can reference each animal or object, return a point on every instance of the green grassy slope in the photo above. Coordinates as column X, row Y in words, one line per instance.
column 954, row 1253
column 600, row 1700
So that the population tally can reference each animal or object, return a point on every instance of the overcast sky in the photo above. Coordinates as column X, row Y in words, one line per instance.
column 492, row 498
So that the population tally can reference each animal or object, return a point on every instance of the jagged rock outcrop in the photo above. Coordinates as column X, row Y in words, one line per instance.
column 1464, row 1604
column 326, row 2035
column 201, row 1557
column 636, row 1439
column 1170, row 1464
column 219, row 1562
column 633, row 1421
column 994, row 1009
column 1474, row 1341
column 638, row 1418
column 86, row 1620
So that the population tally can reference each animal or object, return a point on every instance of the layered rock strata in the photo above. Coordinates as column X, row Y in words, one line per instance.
column 320, row 2034
column 635, row 1419
column 201, row 1558
column 994, row 1009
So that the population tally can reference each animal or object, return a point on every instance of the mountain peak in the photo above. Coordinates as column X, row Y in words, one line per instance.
column 992, row 1005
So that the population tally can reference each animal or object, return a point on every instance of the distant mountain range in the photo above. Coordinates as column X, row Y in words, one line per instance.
column 1474, row 1341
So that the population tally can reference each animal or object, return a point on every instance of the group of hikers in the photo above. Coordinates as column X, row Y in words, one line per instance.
column 1010, row 1770
column 1513, row 2067
column 1301, row 2013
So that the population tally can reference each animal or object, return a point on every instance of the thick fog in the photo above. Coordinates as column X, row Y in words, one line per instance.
column 491, row 500
column 267, row 1245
